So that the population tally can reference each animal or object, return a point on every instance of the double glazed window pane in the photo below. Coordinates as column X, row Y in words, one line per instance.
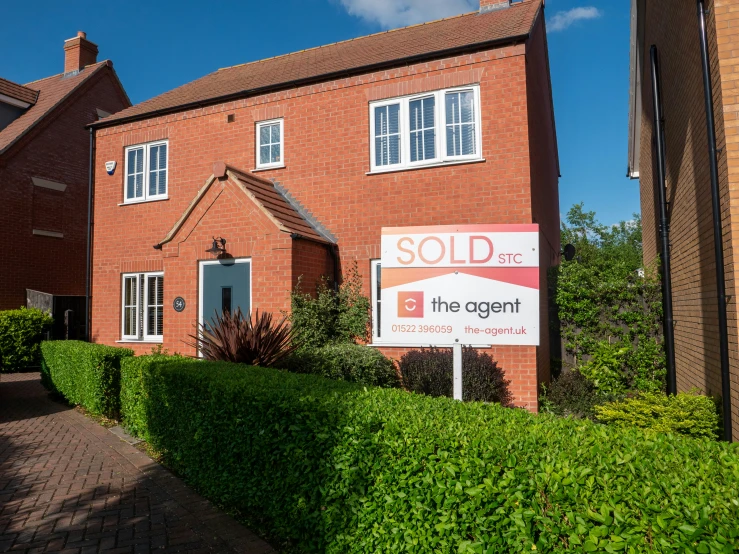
column 158, row 170
column 135, row 177
column 130, row 306
column 146, row 171
column 270, row 144
column 154, row 305
column 387, row 135
column 461, row 135
column 143, row 306
column 423, row 129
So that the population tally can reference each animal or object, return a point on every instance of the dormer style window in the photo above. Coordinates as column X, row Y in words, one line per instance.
column 146, row 172
column 269, row 144
column 433, row 128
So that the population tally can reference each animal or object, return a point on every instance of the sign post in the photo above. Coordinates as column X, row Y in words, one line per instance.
column 457, row 370
column 457, row 285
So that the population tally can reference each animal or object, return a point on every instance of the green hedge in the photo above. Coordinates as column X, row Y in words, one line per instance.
column 86, row 374
column 345, row 362
column 20, row 336
column 333, row 467
column 687, row 413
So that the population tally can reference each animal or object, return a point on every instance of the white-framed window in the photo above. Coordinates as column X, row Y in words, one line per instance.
column 143, row 306
column 376, row 299
column 146, row 172
column 426, row 129
column 270, row 140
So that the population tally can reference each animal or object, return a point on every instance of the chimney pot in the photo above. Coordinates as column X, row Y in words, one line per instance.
column 79, row 53
column 491, row 5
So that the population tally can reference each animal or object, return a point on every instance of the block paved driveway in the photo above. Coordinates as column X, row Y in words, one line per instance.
column 69, row 485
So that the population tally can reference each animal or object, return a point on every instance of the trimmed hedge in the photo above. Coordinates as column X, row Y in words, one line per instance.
column 687, row 413
column 332, row 467
column 345, row 362
column 86, row 374
column 20, row 336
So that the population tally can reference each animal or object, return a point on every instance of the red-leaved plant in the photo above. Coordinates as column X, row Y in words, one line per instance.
column 244, row 339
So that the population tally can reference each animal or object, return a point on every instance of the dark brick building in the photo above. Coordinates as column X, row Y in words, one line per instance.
column 44, row 169
column 299, row 158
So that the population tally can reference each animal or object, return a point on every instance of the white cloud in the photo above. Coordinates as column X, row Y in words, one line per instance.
column 398, row 13
column 561, row 20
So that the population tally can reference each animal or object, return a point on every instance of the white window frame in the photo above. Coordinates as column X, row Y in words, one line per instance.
column 440, row 122
column 257, row 142
column 374, row 265
column 146, row 147
column 142, row 296
column 373, row 146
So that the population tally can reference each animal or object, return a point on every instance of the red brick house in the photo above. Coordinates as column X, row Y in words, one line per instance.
column 44, row 173
column 298, row 162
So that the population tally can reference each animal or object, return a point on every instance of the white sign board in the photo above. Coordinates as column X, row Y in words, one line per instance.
column 464, row 284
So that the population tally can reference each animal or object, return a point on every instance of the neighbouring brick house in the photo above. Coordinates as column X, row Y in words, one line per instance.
column 673, row 28
column 44, row 173
column 300, row 160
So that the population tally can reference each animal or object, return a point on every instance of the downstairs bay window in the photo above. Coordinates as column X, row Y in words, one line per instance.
column 142, row 307
column 433, row 128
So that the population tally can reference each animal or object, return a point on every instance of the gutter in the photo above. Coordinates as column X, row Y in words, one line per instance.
column 718, row 238
column 310, row 80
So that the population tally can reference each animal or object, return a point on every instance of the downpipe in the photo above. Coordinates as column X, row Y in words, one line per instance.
column 88, row 265
column 664, row 224
column 717, row 232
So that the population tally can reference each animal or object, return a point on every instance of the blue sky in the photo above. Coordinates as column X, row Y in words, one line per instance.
column 156, row 46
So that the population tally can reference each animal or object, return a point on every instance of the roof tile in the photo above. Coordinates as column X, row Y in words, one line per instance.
column 51, row 91
column 343, row 57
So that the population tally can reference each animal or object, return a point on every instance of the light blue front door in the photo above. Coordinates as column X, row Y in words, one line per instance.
column 226, row 286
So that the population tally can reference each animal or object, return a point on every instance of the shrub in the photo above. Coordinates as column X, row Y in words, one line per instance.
column 244, row 339
column 345, row 362
column 430, row 371
column 87, row 375
column 331, row 467
column 571, row 394
column 685, row 413
column 331, row 315
column 20, row 336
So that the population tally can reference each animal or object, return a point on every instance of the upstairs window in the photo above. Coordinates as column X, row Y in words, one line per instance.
column 143, row 306
column 146, row 172
column 426, row 129
column 269, row 144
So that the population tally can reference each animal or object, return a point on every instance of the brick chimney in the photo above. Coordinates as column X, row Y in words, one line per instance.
column 79, row 52
column 490, row 5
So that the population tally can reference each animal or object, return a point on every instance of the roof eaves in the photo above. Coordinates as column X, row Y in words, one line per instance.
column 109, row 122
column 51, row 109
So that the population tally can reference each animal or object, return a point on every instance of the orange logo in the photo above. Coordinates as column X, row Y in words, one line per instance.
column 410, row 304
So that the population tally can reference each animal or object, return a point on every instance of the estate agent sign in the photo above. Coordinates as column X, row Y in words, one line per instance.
column 460, row 284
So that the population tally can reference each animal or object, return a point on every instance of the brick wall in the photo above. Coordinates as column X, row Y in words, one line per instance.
column 60, row 153
column 544, row 177
column 673, row 27
column 326, row 158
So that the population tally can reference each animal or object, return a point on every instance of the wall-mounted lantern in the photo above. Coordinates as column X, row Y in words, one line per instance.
column 219, row 246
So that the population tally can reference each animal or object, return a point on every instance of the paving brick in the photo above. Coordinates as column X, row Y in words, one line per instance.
column 68, row 485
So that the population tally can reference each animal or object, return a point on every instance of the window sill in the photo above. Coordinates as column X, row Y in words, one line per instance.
column 426, row 166
column 258, row 169
column 137, row 341
column 128, row 203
